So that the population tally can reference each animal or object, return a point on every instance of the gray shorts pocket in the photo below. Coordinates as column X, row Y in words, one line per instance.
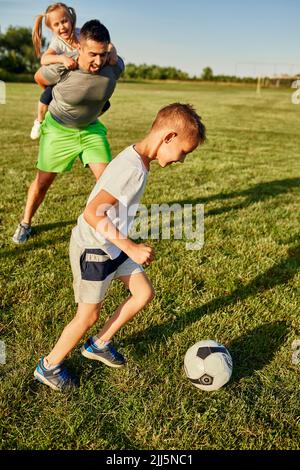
column 96, row 265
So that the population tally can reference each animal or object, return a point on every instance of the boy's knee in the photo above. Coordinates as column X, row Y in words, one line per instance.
column 89, row 321
column 87, row 317
column 151, row 295
column 147, row 296
column 93, row 318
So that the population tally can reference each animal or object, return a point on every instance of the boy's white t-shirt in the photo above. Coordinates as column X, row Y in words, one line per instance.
column 124, row 178
column 62, row 47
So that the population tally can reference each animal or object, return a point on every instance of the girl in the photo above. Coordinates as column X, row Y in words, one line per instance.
column 61, row 19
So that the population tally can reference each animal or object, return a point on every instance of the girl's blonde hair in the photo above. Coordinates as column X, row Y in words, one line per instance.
column 37, row 27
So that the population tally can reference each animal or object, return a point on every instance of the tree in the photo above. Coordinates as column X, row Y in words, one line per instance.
column 207, row 74
column 153, row 72
column 17, row 52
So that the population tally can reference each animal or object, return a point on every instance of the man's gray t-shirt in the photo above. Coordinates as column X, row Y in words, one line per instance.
column 124, row 178
column 79, row 96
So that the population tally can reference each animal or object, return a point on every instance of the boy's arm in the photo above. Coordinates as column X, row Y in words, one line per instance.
column 95, row 215
column 50, row 56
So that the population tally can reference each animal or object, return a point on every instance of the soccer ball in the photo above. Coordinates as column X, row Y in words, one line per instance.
column 208, row 365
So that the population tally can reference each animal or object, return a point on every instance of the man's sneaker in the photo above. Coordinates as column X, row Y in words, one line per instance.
column 22, row 233
column 36, row 130
column 58, row 378
column 108, row 354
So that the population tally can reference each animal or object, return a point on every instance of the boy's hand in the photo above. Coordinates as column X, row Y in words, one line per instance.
column 69, row 63
column 141, row 253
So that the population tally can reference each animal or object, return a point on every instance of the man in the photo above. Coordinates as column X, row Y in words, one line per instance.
column 71, row 127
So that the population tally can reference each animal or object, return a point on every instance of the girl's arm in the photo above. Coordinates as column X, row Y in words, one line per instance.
column 40, row 80
column 112, row 58
column 51, row 57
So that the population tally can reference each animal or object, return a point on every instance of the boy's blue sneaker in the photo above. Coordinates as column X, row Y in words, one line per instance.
column 108, row 354
column 58, row 378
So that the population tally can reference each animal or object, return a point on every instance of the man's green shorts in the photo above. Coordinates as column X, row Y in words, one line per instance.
column 60, row 145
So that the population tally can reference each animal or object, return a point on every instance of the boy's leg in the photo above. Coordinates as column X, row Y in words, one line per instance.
column 99, row 347
column 142, row 293
column 51, row 370
column 85, row 318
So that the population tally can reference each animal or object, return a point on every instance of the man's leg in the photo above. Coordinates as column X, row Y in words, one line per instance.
column 95, row 148
column 97, row 169
column 36, row 194
column 35, row 197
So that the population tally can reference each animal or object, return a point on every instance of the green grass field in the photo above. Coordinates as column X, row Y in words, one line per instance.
column 241, row 289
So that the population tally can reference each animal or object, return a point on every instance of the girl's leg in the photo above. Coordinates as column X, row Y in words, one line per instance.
column 42, row 109
column 85, row 318
column 45, row 100
column 142, row 293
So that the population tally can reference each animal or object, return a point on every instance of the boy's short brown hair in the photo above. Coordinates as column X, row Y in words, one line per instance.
column 185, row 118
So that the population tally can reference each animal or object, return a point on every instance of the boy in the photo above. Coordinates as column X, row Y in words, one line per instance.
column 100, row 250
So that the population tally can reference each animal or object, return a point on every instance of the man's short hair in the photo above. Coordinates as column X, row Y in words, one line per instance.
column 95, row 31
column 183, row 117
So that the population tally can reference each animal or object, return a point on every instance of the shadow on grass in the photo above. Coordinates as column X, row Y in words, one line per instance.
column 257, row 193
column 278, row 274
column 33, row 243
column 256, row 348
column 37, row 229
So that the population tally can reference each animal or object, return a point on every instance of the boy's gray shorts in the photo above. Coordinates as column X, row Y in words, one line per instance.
column 93, row 270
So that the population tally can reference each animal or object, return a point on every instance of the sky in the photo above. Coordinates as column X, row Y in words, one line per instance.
column 233, row 37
